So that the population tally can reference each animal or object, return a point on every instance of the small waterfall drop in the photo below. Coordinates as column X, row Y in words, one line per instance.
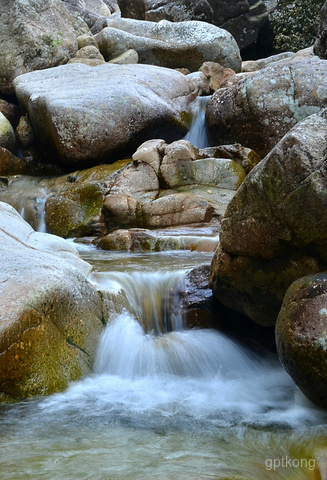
column 149, row 339
column 40, row 207
column 163, row 401
column 197, row 134
column 28, row 197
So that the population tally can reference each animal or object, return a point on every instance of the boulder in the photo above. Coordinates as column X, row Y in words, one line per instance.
column 75, row 203
column 274, row 230
column 198, row 305
column 93, row 12
column 10, row 164
column 143, row 240
column 246, row 27
column 88, row 55
column 25, row 133
column 320, row 46
column 177, row 209
column 83, row 116
column 301, row 336
column 180, row 167
column 11, row 111
column 242, row 18
column 170, row 44
column 216, row 74
column 7, row 134
column 160, row 180
column 261, row 108
column 130, row 56
column 34, row 34
column 50, row 315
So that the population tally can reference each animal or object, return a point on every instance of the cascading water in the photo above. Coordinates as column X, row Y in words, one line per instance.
column 164, row 402
column 197, row 134
column 30, row 206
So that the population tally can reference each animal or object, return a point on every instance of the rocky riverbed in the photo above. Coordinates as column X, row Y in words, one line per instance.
column 97, row 98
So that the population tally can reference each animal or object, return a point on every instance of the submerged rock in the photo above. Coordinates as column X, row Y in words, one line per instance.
column 301, row 336
column 197, row 238
column 50, row 315
column 90, row 115
column 274, row 230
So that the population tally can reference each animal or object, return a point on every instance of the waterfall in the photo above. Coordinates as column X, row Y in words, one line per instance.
column 163, row 401
column 197, row 134
column 40, row 207
column 149, row 338
column 28, row 197
column 152, row 298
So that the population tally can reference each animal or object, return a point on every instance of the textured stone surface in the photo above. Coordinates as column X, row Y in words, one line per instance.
column 199, row 307
column 50, row 315
column 34, row 34
column 274, row 230
column 242, row 18
column 175, row 45
column 90, row 115
column 261, row 108
column 103, row 198
column 7, row 134
column 301, row 336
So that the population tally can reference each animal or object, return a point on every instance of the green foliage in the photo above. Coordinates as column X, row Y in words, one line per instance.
column 295, row 23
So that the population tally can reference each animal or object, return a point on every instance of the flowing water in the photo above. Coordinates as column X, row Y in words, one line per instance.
column 164, row 402
column 197, row 134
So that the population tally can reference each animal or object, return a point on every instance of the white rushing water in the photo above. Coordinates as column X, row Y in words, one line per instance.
column 150, row 370
column 163, row 401
column 197, row 134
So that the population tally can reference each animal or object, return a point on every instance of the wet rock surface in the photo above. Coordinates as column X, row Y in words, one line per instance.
column 50, row 315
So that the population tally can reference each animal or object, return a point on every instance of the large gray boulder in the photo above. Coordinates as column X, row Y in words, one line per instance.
column 261, row 108
column 170, row 44
column 34, row 34
column 50, row 315
column 274, row 230
column 90, row 115
column 242, row 18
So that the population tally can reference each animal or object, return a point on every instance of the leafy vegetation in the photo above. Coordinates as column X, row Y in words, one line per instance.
column 295, row 23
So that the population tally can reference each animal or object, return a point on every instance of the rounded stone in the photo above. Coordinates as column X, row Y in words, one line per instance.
column 301, row 336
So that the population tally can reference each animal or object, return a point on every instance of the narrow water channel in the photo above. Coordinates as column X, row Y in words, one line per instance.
column 164, row 402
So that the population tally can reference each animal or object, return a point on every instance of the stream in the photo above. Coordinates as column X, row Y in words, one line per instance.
column 164, row 402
